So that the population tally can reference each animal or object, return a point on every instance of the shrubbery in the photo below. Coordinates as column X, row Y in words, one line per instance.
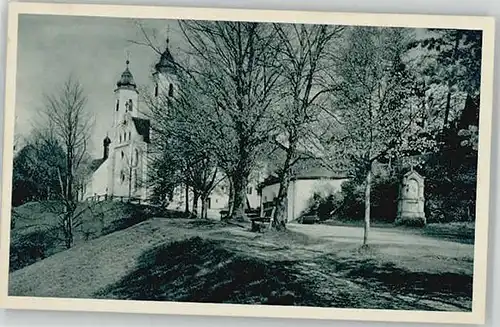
column 349, row 204
column 450, row 190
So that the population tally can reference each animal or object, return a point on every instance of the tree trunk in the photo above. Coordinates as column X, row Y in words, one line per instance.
column 280, row 214
column 448, row 96
column 186, row 210
column 204, row 207
column 196, row 197
column 448, row 107
column 68, row 226
column 69, row 199
column 231, row 197
column 240, row 194
column 368, row 187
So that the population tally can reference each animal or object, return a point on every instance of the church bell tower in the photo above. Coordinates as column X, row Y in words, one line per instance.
column 165, row 75
column 126, row 96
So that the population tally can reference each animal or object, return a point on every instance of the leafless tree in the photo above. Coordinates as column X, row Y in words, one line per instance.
column 236, row 69
column 65, row 110
column 304, row 56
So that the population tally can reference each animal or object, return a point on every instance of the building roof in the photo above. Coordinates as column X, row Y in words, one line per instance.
column 95, row 164
column 126, row 80
column 143, row 127
column 166, row 64
column 314, row 171
column 319, row 172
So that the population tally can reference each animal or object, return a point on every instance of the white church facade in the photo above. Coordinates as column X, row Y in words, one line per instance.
column 122, row 170
column 123, row 167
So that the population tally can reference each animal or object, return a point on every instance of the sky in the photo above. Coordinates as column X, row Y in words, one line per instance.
column 94, row 50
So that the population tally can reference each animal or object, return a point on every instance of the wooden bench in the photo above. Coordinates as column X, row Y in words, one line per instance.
column 224, row 214
column 249, row 213
column 258, row 222
column 309, row 219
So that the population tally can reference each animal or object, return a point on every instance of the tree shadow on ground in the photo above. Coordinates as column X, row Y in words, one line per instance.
column 212, row 271
column 197, row 270
column 447, row 287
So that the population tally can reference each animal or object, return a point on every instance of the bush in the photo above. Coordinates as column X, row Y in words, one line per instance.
column 322, row 205
column 383, row 200
column 28, row 248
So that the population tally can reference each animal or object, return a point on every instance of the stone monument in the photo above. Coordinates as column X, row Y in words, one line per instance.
column 411, row 200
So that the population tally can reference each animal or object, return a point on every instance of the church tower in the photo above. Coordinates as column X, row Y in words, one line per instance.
column 126, row 96
column 165, row 75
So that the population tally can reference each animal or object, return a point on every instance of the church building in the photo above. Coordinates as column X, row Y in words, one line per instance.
column 123, row 165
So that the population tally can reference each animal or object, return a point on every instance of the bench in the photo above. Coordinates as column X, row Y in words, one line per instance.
column 308, row 219
column 224, row 214
column 258, row 222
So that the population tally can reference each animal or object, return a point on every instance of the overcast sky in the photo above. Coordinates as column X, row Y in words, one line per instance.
column 94, row 49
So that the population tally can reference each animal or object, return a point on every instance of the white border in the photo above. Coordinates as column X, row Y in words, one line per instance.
column 486, row 24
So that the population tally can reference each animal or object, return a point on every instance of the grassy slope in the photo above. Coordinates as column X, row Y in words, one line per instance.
column 36, row 235
column 188, row 260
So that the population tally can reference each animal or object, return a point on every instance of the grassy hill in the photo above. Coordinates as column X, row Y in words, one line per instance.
column 36, row 234
column 205, row 261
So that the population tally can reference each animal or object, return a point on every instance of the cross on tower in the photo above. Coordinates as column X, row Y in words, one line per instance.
column 168, row 34
column 128, row 58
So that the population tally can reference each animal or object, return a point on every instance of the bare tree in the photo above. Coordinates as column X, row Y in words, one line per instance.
column 183, row 139
column 236, row 69
column 304, row 55
column 65, row 110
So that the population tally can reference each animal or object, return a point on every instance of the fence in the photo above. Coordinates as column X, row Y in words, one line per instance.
column 106, row 197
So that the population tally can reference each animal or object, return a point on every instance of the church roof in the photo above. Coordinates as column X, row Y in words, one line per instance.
column 95, row 164
column 143, row 127
column 166, row 64
column 126, row 80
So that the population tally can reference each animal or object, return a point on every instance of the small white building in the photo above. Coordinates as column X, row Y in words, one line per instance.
column 303, row 185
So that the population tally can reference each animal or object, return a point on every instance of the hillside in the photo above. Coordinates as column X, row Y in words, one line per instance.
column 36, row 234
column 191, row 260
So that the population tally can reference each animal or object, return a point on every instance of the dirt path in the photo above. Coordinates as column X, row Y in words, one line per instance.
column 393, row 238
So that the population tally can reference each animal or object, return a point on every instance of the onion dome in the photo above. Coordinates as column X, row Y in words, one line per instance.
column 126, row 80
column 167, row 63
column 106, row 141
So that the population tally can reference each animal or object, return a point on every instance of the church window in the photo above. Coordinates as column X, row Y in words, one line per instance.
column 249, row 190
column 123, row 154
column 120, row 138
column 136, row 157
column 136, row 180
column 117, row 105
column 130, row 105
column 129, row 136
column 122, row 176
column 156, row 90
column 171, row 90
